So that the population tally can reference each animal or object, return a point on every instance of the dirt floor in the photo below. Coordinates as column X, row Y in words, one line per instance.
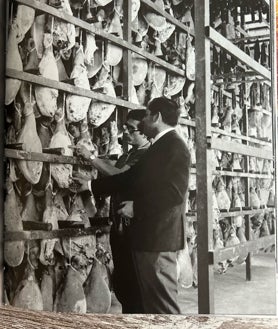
column 234, row 295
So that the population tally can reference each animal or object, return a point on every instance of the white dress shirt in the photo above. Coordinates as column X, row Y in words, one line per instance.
column 162, row 133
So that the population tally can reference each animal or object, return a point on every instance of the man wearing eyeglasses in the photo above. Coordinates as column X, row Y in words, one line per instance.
column 156, row 187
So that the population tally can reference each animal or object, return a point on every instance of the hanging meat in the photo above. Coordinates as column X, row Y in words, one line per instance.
column 47, row 97
column 25, row 16
column 13, row 61
column 90, row 48
column 98, row 295
column 184, row 267
column 139, row 69
column 70, row 296
column 114, row 53
column 140, row 27
column 63, row 32
column 13, row 250
column 156, row 21
column 37, row 32
column 31, row 143
column 222, row 197
column 28, row 294
column 190, row 60
column 62, row 173
column 174, row 85
column 77, row 106
column 99, row 112
column 47, row 287
column 82, row 247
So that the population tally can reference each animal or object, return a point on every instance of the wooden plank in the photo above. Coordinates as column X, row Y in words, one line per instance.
column 186, row 122
column 55, row 234
column 203, row 163
column 170, row 18
column 241, row 174
column 35, row 79
column 51, row 158
column 242, row 137
column 233, row 50
column 242, row 248
column 89, row 28
column 234, row 147
column 14, row 317
column 251, row 212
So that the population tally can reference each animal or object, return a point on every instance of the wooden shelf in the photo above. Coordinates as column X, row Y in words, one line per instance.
column 244, row 248
column 68, row 88
column 186, row 122
column 233, row 50
column 234, row 147
column 55, row 234
column 250, row 212
column 105, row 35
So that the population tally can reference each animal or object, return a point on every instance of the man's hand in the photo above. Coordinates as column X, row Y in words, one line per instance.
column 81, row 180
column 126, row 209
column 84, row 152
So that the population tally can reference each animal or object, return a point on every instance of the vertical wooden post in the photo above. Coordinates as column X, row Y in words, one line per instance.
column 203, row 156
column 3, row 20
column 126, row 61
column 273, row 103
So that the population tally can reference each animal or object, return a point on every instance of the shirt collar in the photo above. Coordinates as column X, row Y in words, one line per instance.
column 162, row 133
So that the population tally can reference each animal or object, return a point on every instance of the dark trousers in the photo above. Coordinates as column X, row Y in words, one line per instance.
column 157, row 278
column 124, row 277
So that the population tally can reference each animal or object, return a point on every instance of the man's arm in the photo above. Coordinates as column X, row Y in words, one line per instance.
column 106, row 168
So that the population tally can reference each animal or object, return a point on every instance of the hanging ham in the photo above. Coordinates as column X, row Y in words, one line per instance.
column 47, row 97
column 37, row 32
column 13, row 61
column 99, row 112
column 62, row 173
column 98, row 295
column 63, row 32
column 31, row 143
column 48, row 288
column 70, row 296
column 13, row 250
column 25, row 16
column 28, row 294
column 77, row 106
column 156, row 21
column 139, row 69
column 114, row 53
column 190, row 60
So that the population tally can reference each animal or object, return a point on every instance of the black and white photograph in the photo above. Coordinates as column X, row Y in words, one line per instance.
column 139, row 162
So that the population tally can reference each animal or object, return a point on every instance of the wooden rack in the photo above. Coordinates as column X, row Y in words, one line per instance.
column 205, row 141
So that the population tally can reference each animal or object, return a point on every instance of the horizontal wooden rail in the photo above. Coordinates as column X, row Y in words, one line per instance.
column 251, row 212
column 43, row 157
column 242, row 137
column 68, row 88
column 99, row 32
column 234, row 147
column 186, row 122
column 233, row 50
column 170, row 18
column 222, row 254
column 242, row 174
column 55, row 234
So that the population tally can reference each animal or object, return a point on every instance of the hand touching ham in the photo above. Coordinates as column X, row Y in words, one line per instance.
column 127, row 209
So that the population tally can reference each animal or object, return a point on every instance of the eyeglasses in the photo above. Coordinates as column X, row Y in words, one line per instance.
column 130, row 129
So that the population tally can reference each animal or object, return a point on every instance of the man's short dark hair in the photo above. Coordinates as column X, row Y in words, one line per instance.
column 137, row 115
column 168, row 108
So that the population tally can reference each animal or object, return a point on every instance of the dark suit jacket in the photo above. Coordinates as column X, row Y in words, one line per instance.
column 157, row 184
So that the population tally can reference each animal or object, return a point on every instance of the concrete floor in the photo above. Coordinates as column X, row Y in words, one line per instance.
column 233, row 295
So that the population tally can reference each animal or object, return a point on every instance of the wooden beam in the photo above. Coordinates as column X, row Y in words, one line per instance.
column 241, row 174
column 203, row 157
column 170, row 18
column 55, row 234
column 97, row 31
column 233, row 50
column 251, row 212
column 186, row 122
column 39, row 80
column 234, row 147
column 222, row 254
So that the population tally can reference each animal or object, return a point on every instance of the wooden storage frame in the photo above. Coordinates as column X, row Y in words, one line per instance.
column 204, row 140
column 206, row 143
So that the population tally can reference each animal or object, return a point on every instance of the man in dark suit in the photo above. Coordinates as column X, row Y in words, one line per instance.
column 157, row 186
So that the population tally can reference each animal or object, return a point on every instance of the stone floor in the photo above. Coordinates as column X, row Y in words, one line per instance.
column 234, row 295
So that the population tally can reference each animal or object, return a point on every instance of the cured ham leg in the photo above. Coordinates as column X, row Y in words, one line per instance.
column 47, row 97
column 13, row 250
column 13, row 61
column 24, row 18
